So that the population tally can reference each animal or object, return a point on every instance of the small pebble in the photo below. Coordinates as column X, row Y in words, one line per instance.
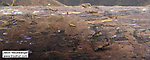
column 25, row 36
column 20, row 43
column 111, row 10
column 1, row 39
column 31, row 43
column 132, row 24
column 116, row 20
column 29, row 51
column 28, row 38
column 49, row 4
column 58, row 30
column 17, row 41
column 6, row 41
column 25, row 41
column 109, row 56
column 4, row 33
column 144, row 9
column 18, row 12
column 33, row 23
column 96, row 27
column 35, row 12
column 114, row 36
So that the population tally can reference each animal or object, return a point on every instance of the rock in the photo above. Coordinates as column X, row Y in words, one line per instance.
column 72, row 25
column 33, row 23
column 132, row 24
column 6, row 41
column 28, row 38
column 97, row 34
column 91, row 11
column 60, row 31
column 49, row 4
column 31, row 31
column 142, row 30
column 20, row 20
column 71, row 13
column 4, row 33
column 44, row 33
column 85, row 5
column 1, row 39
column 114, row 36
